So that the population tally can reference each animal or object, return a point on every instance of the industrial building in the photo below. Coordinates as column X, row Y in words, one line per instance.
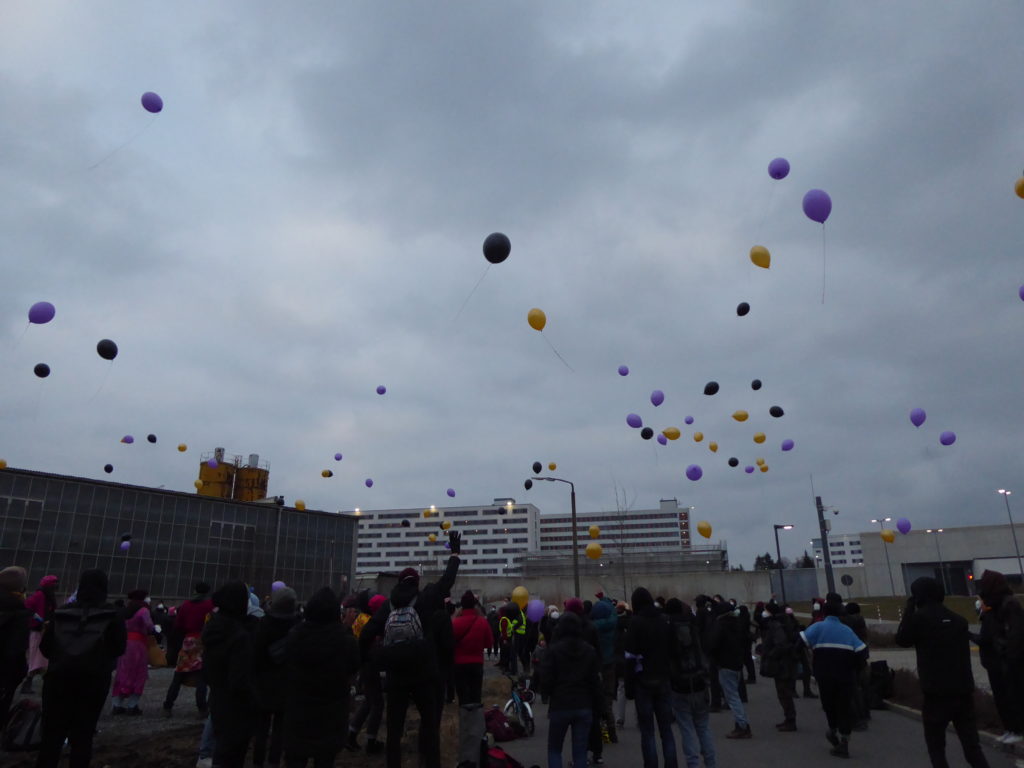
column 843, row 549
column 662, row 530
column 62, row 525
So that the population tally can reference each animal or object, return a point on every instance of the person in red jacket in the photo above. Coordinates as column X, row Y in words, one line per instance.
column 472, row 635
column 41, row 606
column 189, row 623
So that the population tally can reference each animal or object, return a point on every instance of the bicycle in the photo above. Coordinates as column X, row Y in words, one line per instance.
column 518, row 708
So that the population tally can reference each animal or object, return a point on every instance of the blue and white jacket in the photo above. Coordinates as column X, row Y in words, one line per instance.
column 838, row 652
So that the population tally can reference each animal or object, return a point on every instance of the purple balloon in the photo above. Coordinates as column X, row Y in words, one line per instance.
column 1020, row 292
column 125, row 546
column 688, row 420
column 624, row 369
column 748, row 469
column 917, row 417
column 947, row 438
column 787, row 444
column 817, row 205
column 535, row 610
column 662, row 439
column 657, row 398
column 212, row 463
column 337, row 457
column 277, row 585
column 778, row 168
column 451, row 492
column 43, row 312
column 634, row 421
column 127, row 439
column 381, row 389
column 152, row 102
column 903, row 526
column 694, row 472
column 369, row 482
column 447, row 545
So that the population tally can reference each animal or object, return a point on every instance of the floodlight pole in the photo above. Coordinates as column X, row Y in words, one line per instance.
column 575, row 546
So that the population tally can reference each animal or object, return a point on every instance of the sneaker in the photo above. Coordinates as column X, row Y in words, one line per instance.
column 1013, row 738
column 597, row 760
column 204, row 762
column 787, row 726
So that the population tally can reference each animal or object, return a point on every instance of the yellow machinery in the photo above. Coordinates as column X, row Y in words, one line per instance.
column 226, row 477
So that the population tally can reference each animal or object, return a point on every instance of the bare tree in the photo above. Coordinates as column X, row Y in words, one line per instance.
column 618, row 537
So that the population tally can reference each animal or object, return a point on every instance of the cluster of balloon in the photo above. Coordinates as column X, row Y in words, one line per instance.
column 694, row 472
column 151, row 102
column 535, row 610
column 704, row 529
column 594, row 550
column 742, row 309
column 106, row 349
column 711, row 388
column 42, row 370
column 451, row 493
column 657, row 398
column 41, row 313
column 918, row 417
column 538, row 320
column 326, row 473
column 520, row 596
column 624, row 369
column 126, row 542
column 888, row 535
column 903, row 526
column 300, row 504
column 108, row 468
column 594, row 531
column 368, row 482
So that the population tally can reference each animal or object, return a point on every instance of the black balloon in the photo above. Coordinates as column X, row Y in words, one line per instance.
column 126, row 537
column 742, row 309
column 406, row 524
column 151, row 438
column 537, row 467
column 42, row 370
column 776, row 411
column 734, row 462
column 711, row 388
column 528, row 484
column 108, row 468
column 497, row 247
column 106, row 349
column 646, row 433
column 502, row 510
column 755, row 384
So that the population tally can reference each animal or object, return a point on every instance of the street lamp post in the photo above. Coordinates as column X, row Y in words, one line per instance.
column 778, row 555
column 1006, row 497
column 938, row 549
column 575, row 546
column 881, row 524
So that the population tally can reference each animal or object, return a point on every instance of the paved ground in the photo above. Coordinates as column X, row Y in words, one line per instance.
column 892, row 740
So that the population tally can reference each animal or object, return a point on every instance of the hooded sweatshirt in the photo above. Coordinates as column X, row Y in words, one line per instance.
column 941, row 639
column 227, row 658
column 570, row 671
column 1008, row 623
column 606, row 622
column 649, row 636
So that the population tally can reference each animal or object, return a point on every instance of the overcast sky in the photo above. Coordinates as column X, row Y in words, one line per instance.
column 304, row 219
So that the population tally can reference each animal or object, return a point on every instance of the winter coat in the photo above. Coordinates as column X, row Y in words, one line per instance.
column 322, row 658
column 837, row 652
column 728, row 640
column 780, row 648
column 227, row 667
column 688, row 667
column 13, row 639
column 941, row 639
column 649, row 635
column 40, row 605
column 570, row 671
column 986, row 640
column 472, row 636
column 191, row 616
column 606, row 622
column 857, row 623
column 269, row 676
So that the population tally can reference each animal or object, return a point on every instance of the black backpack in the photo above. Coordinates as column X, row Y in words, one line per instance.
column 687, row 668
column 79, row 634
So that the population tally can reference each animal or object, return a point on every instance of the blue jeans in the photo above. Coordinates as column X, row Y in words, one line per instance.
column 691, row 711
column 730, row 680
column 655, row 700
column 559, row 721
column 206, row 742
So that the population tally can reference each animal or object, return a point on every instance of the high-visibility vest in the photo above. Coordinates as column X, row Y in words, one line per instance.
column 519, row 625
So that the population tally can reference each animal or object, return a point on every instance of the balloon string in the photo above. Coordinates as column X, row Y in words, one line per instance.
column 17, row 341
column 822, row 262
column 124, row 144
column 464, row 303
column 558, row 355
column 102, row 383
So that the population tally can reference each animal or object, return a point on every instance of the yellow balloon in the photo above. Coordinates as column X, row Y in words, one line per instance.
column 741, row 415
column 326, row 473
column 760, row 256
column 704, row 529
column 537, row 319
column 182, row 447
column 520, row 596
column 759, row 437
column 446, row 525
column 552, row 466
column 764, row 467
column 698, row 436
column 594, row 531
column 672, row 433
column 198, row 484
column 3, row 464
column 300, row 504
column 713, row 446
column 759, row 462
column 1019, row 187
column 432, row 538
column 888, row 536
column 594, row 550
column 426, row 513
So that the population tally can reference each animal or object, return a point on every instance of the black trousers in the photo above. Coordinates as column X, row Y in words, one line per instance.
column 785, row 689
column 836, row 697
column 371, row 710
column 71, row 707
column 267, row 731
column 936, row 713
column 175, row 688
column 716, row 687
column 469, row 683
column 424, row 695
column 323, row 760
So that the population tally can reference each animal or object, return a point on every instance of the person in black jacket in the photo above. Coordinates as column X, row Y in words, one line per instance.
column 570, row 680
column 944, row 670
column 227, row 666
column 1007, row 643
column 727, row 647
column 322, row 658
column 649, row 647
column 992, row 662
column 413, row 667
column 78, row 678
column 14, row 618
column 270, row 676
column 688, row 676
column 780, row 654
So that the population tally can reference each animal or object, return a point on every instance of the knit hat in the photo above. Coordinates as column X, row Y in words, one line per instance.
column 409, row 575
column 13, row 579
column 47, row 581
column 232, row 599
column 574, row 605
column 468, row 599
column 92, row 586
column 283, row 603
column 376, row 602
column 323, row 607
column 641, row 599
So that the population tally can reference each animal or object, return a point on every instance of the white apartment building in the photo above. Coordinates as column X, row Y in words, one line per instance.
column 844, row 549
column 494, row 537
column 640, row 530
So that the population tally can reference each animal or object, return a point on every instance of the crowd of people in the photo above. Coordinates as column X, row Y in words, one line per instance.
column 276, row 678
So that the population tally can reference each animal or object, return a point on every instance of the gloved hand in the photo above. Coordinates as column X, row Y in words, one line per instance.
column 455, row 541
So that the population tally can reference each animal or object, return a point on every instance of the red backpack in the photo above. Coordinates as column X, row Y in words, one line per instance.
column 498, row 725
